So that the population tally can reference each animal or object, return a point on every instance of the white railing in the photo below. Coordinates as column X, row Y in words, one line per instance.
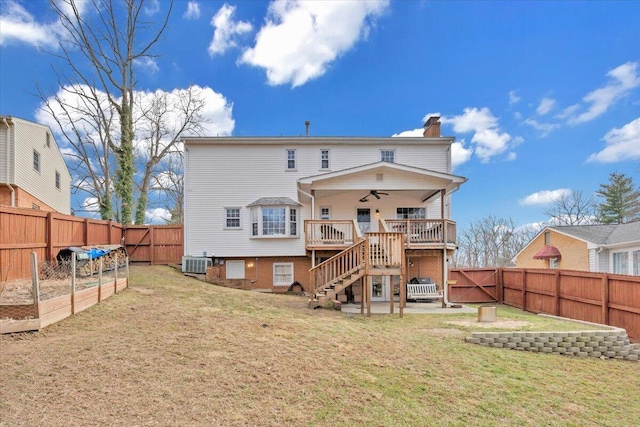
column 331, row 232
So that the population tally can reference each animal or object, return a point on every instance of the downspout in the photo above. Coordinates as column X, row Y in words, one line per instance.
column 8, row 184
column 313, row 216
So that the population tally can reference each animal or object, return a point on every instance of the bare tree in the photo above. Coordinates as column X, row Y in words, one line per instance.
column 574, row 208
column 164, row 118
column 491, row 242
column 85, row 120
column 171, row 183
column 102, row 53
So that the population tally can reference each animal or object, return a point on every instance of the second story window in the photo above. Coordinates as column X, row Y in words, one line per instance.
column 232, row 218
column 291, row 159
column 48, row 139
column 324, row 159
column 547, row 238
column 36, row 161
column 57, row 180
column 388, row 156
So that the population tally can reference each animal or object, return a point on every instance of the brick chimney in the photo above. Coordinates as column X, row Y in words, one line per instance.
column 432, row 128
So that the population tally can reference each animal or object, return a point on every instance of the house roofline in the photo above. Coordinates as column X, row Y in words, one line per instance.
column 315, row 140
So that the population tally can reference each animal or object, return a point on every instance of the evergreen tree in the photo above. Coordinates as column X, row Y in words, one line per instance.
column 621, row 200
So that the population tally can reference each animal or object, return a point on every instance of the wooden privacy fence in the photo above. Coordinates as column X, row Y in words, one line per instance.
column 23, row 231
column 609, row 299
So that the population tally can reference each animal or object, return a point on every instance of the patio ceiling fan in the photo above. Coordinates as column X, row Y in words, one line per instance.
column 374, row 193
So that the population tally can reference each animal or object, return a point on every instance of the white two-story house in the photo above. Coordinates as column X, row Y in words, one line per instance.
column 322, row 211
column 33, row 173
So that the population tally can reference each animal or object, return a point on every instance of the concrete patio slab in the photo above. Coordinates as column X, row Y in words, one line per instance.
column 411, row 308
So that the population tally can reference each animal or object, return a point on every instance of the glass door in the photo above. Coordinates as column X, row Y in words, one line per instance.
column 380, row 288
column 363, row 216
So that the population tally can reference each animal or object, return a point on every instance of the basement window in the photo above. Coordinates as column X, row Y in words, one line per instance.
column 282, row 273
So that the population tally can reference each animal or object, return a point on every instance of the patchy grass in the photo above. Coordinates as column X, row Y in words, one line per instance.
column 175, row 351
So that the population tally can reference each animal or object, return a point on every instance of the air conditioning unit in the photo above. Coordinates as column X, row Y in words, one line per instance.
column 196, row 265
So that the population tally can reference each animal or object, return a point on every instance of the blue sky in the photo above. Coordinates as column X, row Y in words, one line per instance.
column 542, row 97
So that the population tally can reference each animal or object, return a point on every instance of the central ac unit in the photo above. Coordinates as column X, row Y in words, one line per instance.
column 196, row 265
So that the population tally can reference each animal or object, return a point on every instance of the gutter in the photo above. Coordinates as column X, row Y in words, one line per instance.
column 13, row 191
column 313, row 216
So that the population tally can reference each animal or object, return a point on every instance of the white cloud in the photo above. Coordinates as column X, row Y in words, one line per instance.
column 623, row 79
column 150, row 65
column 460, row 154
column 544, row 128
column 16, row 23
column 152, row 7
column 225, row 30
column 193, row 10
column 157, row 216
column 489, row 140
column 300, row 39
column 217, row 111
column 513, row 97
column 511, row 156
column 546, row 105
column 517, row 115
column 544, row 197
column 621, row 144
column 409, row 133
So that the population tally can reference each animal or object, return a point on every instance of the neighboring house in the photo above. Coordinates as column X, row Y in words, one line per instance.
column 613, row 248
column 33, row 173
column 269, row 210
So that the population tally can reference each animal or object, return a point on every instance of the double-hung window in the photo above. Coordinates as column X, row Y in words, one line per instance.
column 620, row 265
column 57, row 178
column 388, row 156
column 324, row 159
column 411, row 213
column 232, row 218
column 282, row 274
column 291, row 159
column 36, row 161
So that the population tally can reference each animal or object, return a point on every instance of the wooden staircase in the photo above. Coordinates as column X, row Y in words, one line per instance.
column 380, row 253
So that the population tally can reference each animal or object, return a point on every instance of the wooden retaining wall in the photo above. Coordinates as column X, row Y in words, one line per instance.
column 608, row 299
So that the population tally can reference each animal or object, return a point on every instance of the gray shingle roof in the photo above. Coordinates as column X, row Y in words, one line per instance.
column 609, row 234
column 274, row 201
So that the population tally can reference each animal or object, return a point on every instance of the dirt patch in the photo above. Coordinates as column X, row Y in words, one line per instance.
column 506, row 324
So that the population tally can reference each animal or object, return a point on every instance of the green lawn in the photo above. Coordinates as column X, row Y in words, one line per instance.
column 173, row 351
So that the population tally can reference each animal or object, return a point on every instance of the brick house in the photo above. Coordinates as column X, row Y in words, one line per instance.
column 612, row 248
column 321, row 211
column 33, row 173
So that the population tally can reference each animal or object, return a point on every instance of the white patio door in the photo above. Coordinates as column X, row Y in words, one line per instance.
column 380, row 288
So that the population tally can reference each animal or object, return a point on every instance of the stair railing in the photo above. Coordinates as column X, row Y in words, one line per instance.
column 338, row 267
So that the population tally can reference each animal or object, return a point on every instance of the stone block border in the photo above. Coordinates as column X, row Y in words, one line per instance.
column 602, row 342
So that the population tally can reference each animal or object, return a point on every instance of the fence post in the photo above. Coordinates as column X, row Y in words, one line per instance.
column 557, row 293
column 85, row 232
column 36, row 283
column 524, row 289
column 73, row 283
column 499, row 289
column 49, row 255
column 152, row 248
column 100, row 278
column 115, row 282
column 605, row 299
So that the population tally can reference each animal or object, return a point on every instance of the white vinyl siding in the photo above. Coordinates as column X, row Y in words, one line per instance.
column 257, row 171
column 235, row 269
column 282, row 274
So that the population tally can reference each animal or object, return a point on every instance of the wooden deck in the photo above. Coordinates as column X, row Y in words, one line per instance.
column 337, row 235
